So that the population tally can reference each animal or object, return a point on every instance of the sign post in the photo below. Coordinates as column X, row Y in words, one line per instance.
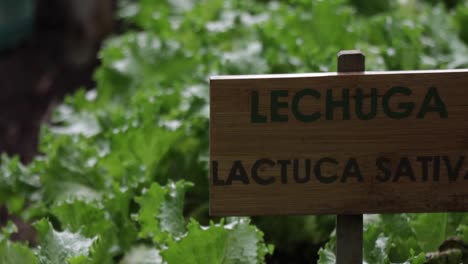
column 345, row 143
column 349, row 227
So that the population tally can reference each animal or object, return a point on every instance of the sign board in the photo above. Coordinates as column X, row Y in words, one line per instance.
column 348, row 143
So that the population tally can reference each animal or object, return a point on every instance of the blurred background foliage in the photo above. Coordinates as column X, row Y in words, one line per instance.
column 123, row 167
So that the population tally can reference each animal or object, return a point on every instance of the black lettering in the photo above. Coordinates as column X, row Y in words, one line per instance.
column 359, row 104
column 296, row 171
column 237, row 173
column 318, row 171
column 216, row 180
column 453, row 173
column 424, row 166
column 406, row 108
column 284, row 170
column 381, row 163
column 256, row 166
column 404, row 169
column 438, row 106
column 436, row 168
column 255, row 116
column 295, row 106
column 352, row 170
column 331, row 104
column 276, row 105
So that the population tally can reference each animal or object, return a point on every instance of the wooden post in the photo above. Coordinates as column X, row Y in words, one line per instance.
column 349, row 227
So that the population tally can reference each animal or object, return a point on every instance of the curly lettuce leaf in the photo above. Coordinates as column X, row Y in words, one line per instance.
column 234, row 243
column 62, row 247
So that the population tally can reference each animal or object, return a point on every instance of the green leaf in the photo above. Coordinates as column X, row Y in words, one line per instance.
column 429, row 238
column 326, row 256
column 376, row 244
column 161, row 211
column 61, row 247
column 119, row 205
column 14, row 253
column 17, row 183
column 142, row 255
column 461, row 18
column 236, row 242
column 107, row 219
column 419, row 259
column 371, row 8
column 402, row 238
column 171, row 217
column 74, row 123
column 462, row 230
column 88, row 217
column 81, row 260
column 327, row 253
column 150, row 207
column 71, row 172
column 7, row 231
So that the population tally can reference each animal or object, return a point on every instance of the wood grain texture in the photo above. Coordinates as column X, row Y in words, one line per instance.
column 349, row 249
column 349, row 228
column 233, row 137
column 351, row 61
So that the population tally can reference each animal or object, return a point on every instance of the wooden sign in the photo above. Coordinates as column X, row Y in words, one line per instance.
column 328, row 143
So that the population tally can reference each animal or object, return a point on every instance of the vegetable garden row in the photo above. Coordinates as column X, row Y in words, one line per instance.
column 123, row 172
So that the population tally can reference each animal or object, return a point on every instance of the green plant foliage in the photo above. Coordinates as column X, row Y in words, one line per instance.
column 461, row 18
column 235, row 242
column 160, row 214
column 404, row 238
column 123, row 169
column 62, row 247
column 11, row 252
column 142, row 254
column 371, row 7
